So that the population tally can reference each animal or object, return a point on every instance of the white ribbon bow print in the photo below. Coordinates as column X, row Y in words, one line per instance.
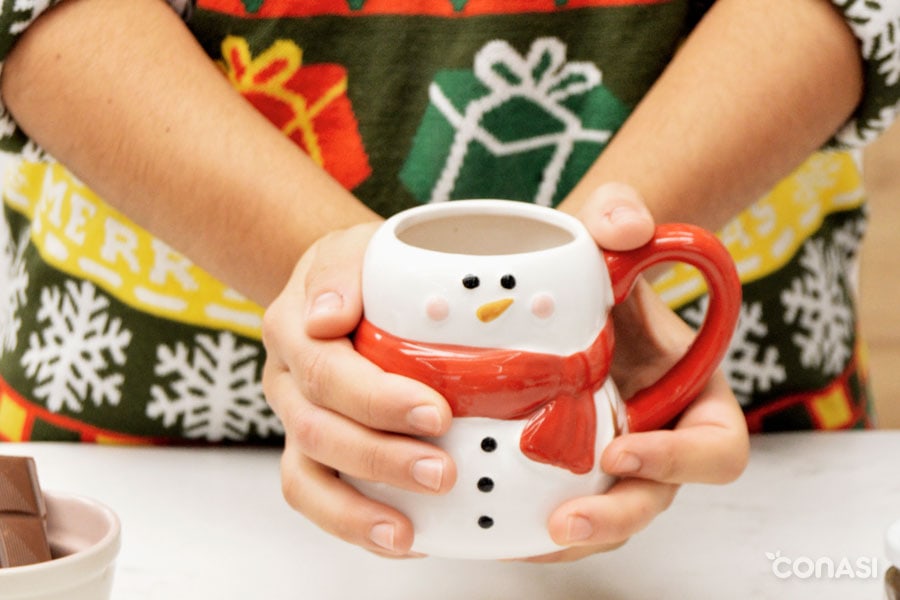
column 543, row 77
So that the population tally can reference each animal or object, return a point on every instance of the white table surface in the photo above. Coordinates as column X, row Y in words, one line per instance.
column 211, row 523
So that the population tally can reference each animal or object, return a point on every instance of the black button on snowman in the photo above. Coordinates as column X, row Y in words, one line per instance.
column 486, row 484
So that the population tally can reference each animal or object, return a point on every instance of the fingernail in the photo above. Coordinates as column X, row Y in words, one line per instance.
column 425, row 418
column 325, row 303
column 578, row 528
column 627, row 463
column 429, row 472
column 382, row 535
column 625, row 214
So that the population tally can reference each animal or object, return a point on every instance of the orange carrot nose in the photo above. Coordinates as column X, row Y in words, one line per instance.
column 490, row 311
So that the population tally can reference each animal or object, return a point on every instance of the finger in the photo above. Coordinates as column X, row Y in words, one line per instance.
column 617, row 217
column 320, row 369
column 710, row 444
column 370, row 396
column 608, row 519
column 345, row 445
column 337, row 508
column 332, row 283
column 652, row 338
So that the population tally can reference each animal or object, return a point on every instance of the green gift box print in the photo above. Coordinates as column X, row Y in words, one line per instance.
column 515, row 127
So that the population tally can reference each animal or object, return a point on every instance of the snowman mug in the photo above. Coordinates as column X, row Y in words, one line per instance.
column 503, row 308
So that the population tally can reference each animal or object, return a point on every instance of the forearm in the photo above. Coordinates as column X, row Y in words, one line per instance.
column 757, row 87
column 122, row 94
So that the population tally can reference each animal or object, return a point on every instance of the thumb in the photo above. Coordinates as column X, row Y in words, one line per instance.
column 333, row 287
column 617, row 217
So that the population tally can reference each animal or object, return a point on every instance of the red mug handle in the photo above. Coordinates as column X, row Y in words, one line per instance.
column 660, row 403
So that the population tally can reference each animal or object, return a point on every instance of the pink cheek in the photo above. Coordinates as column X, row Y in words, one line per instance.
column 542, row 306
column 437, row 308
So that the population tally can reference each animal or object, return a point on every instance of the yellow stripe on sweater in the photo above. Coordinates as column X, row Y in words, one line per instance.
column 79, row 234
column 763, row 238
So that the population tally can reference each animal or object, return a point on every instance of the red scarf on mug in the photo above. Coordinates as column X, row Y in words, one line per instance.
column 555, row 393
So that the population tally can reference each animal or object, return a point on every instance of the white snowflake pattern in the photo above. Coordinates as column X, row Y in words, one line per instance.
column 7, row 125
column 748, row 367
column 13, row 282
column 848, row 239
column 33, row 7
column 856, row 134
column 212, row 389
column 72, row 359
column 817, row 303
column 877, row 25
column 31, row 152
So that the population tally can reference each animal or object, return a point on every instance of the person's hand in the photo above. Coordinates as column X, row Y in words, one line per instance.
column 709, row 443
column 341, row 412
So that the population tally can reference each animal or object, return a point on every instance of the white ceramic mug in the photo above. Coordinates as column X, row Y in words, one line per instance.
column 503, row 307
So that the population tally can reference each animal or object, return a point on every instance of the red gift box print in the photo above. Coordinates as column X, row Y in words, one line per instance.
column 308, row 103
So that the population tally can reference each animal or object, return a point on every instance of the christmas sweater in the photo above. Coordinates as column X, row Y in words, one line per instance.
column 109, row 335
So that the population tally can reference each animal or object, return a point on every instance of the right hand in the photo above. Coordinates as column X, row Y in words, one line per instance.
column 341, row 413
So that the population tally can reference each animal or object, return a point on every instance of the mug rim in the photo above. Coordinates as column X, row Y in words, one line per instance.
column 544, row 215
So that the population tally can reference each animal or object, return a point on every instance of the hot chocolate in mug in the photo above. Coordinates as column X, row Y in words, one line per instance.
column 503, row 307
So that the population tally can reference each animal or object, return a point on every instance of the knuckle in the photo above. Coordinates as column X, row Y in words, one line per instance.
column 315, row 374
column 290, row 488
column 668, row 499
column 315, row 268
column 734, row 468
column 268, row 379
column 306, row 430
column 617, row 531
column 277, row 389
column 271, row 325
column 345, row 529
column 637, row 515
column 270, row 376
column 371, row 408
column 630, row 522
column 294, row 488
column 667, row 467
column 373, row 462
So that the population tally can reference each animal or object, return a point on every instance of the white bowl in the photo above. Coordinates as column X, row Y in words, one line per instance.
column 84, row 537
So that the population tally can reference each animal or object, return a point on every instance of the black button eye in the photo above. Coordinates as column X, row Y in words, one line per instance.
column 508, row 282
column 470, row 282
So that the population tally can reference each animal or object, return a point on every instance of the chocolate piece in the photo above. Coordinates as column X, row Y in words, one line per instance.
column 892, row 576
column 892, row 584
column 23, row 514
